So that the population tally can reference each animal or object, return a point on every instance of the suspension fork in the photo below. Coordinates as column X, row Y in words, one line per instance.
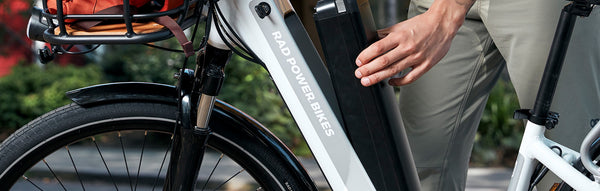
column 193, row 132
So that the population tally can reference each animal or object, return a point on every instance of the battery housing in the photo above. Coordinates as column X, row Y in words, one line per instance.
column 370, row 115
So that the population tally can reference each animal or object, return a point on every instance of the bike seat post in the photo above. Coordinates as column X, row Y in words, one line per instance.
column 558, row 50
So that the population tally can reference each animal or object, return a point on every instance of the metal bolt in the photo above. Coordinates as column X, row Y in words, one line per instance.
column 263, row 9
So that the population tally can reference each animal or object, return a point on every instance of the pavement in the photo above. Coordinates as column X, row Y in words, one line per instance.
column 488, row 179
column 479, row 179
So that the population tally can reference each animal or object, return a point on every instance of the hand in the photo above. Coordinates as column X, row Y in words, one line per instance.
column 418, row 43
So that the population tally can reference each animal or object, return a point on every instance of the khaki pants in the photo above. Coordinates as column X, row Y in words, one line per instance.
column 442, row 109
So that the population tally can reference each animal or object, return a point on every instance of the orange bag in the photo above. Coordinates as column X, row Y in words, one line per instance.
column 72, row 7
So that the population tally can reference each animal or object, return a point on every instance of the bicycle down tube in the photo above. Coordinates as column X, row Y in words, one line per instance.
column 305, row 87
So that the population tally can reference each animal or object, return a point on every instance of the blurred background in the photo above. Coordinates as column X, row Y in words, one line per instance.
column 29, row 89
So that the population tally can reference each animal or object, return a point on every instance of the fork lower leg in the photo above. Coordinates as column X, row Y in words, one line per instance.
column 192, row 134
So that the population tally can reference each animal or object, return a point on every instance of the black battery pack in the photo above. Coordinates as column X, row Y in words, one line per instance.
column 370, row 114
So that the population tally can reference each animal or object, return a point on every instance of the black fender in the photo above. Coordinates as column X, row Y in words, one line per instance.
column 142, row 91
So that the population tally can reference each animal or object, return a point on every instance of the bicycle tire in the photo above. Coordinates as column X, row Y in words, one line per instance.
column 60, row 128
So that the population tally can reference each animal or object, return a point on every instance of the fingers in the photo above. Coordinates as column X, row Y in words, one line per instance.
column 376, row 49
column 381, row 63
column 412, row 76
column 419, row 68
column 383, row 33
column 388, row 65
column 380, row 75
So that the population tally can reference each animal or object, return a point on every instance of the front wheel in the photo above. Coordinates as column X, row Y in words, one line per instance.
column 125, row 146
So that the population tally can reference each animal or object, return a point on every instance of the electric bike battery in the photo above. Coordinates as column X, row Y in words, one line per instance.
column 371, row 117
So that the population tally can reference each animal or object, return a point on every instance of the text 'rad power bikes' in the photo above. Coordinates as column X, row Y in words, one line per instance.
column 353, row 131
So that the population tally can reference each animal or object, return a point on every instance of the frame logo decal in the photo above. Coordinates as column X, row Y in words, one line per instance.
column 305, row 87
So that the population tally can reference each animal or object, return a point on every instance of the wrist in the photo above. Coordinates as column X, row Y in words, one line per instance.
column 450, row 13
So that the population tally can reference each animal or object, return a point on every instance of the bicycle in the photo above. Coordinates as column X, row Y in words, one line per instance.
column 191, row 119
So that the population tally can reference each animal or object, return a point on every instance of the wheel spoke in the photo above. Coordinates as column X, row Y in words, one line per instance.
column 212, row 171
column 163, row 162
column 221, row 185
column 75, row 167
column 141, row 157
column 27, row 179
column 125, row 159
column 105, row 165
column 54, row 174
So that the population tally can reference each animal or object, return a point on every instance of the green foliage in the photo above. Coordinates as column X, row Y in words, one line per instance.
column 499, row 135
column 30, row 91
column 249, row 88
column 122, row 63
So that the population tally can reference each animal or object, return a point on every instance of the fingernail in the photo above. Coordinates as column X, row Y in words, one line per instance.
column 358, row 74
column 358, row 63
column 365, row 81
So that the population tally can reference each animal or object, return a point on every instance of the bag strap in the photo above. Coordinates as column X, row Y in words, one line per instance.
column 188, row 47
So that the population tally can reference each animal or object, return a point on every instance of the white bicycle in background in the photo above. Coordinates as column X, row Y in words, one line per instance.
column 352, row 131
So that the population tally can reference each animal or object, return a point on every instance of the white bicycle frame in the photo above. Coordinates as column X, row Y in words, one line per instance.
column 272, row 41
column 535, row 146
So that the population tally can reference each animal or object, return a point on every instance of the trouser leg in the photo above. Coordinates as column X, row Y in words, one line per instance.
column 525, row 46
column 441, row 110
column 523, row 32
